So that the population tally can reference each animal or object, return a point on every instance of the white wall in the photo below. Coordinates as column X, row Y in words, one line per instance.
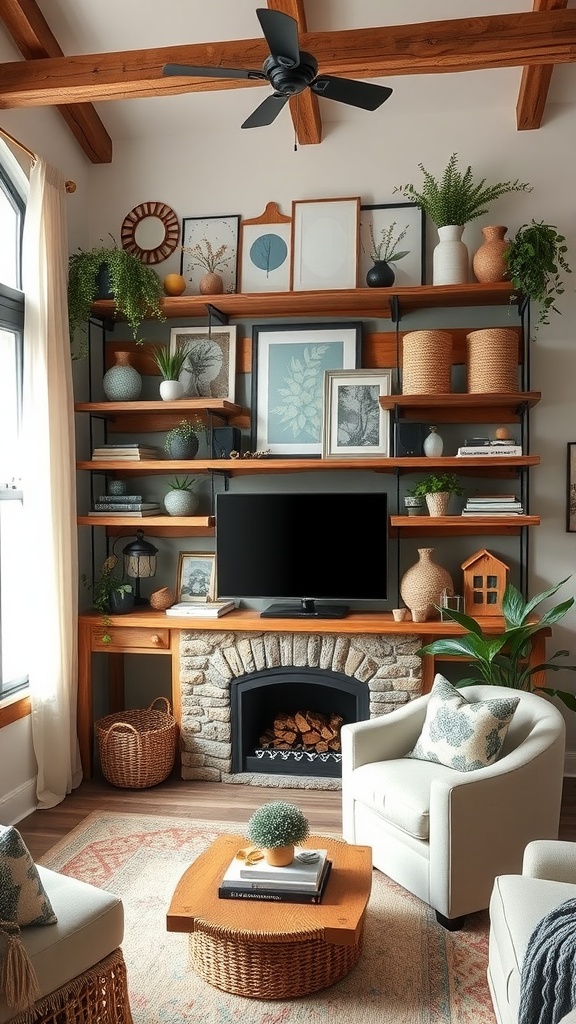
column 217, row 168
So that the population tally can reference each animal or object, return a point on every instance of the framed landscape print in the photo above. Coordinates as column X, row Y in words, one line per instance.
column 265, row 252
column 210, row 245
column 210, row 367
column 394, row 228
column 325, row 243
column 354, row 423
column 288, row 365
column 195, row 579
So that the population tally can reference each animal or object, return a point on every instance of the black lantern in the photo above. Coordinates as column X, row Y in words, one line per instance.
column 139, row 562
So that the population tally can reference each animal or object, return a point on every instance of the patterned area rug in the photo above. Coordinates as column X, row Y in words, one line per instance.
column 411, row 970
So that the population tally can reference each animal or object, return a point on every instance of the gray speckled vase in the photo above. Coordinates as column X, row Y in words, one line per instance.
column 122, row 382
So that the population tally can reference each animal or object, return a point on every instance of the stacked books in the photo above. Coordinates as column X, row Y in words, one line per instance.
column 131, row 452
column 302, row 881
column 493, row 505
column 207, row 610
column 124, row 505
column 490, row 449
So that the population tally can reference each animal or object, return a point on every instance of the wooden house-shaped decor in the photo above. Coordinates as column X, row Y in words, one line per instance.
column 484, row 583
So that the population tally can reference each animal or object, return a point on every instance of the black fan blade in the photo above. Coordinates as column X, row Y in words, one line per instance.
column 267, row 112
column 187, row 70
column 281, row 34
column 347, row 90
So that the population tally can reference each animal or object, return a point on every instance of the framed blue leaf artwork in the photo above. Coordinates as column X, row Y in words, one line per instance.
column 265, row 252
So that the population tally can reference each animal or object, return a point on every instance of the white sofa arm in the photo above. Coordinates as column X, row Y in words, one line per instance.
column 550, row 858
column 385, row 738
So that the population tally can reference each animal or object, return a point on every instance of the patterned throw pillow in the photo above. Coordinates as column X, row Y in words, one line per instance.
column 461, row 734
column 23, row 899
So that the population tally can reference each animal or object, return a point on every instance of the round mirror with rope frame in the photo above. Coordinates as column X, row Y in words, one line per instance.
column 136, row 219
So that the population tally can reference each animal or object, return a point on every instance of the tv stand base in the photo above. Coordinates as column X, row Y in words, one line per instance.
column 307, row 609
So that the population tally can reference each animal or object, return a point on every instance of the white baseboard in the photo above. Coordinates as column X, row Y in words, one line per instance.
column 570, row 763
column 19, row 803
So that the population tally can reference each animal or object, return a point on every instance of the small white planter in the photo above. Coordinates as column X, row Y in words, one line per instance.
column 171, row 390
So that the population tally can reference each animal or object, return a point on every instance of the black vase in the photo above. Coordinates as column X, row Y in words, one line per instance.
column 121, row 602
column 380, row 275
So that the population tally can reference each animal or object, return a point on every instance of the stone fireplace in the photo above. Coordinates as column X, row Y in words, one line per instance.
column 233, row 682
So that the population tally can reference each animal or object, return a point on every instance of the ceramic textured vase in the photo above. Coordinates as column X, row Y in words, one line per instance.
column 380, row 275
column 211, row 284
column 171, row 390
column 433, row 444
column 122, row 382
column 182, row 447
column 181, row 502
column 488, row 262
column 117, row 487
column 422, row 585
column 450, row 257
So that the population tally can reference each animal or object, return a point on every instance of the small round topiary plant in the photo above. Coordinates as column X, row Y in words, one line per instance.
column 277, row 824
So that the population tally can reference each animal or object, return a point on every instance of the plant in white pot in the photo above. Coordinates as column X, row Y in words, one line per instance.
column 276, row 828
column 181, row 500
column 170, row 365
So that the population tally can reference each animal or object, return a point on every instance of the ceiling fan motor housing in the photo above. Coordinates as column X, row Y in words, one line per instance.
column 289, row 81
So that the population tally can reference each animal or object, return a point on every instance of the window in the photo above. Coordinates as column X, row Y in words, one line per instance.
column 13, row 669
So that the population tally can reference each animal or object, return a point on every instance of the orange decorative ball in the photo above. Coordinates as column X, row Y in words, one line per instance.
column 503, row 434
column 174, row 284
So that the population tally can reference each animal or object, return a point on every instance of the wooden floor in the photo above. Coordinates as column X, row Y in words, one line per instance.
column 214, row 801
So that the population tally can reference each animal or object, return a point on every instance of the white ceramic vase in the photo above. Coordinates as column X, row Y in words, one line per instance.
column 433, row 444
column 450, row 257
column 171, row 390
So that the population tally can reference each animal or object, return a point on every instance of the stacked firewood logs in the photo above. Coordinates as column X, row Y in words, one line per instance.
column 304, row 730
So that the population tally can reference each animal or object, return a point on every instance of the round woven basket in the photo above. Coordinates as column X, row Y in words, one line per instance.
column 492, row 360
column 427, row 363
column 137, row 748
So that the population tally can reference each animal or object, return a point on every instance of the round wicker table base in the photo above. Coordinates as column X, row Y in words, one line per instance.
column 270, row 970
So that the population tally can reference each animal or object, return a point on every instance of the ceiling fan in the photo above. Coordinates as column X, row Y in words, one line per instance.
column 289, row 70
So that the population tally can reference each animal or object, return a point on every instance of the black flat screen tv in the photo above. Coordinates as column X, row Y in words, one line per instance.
column 302, row 550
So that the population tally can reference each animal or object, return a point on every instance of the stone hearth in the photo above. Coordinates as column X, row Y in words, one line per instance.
column 211, row 661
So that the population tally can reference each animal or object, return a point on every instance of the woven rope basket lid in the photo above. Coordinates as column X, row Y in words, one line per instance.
column 427, row 363
column 137, row 748
column 492, row 360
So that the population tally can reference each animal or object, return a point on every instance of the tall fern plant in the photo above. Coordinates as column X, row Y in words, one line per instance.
column 456, row 197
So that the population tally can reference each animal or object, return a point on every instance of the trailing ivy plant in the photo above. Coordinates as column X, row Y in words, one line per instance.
column 535, row 258
column 457, row 198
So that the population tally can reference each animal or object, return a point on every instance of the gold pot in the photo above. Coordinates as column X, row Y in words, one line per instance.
column 279, row 856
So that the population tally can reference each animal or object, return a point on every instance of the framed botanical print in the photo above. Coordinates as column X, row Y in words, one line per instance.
column 325, row 243
column 354, row 423
column 210, row 245
column 395, row 233
column 210, row 367
column 288, row 366
column 265, row 252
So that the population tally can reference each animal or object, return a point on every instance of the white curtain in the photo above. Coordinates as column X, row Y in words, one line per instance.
column 49, row 489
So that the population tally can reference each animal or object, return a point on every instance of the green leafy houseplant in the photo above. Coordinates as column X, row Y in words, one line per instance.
column 137, row 289
column 387, row 248
column 106, row 586
column 441, row 483
column 277, row 824
column 456, row 198
column 503, row 660
column 535, row 257
column 169, row 363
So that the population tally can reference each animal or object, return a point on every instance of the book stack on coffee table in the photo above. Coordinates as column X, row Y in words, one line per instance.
column 302, row 881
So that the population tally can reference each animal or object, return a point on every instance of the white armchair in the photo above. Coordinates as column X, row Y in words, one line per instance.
column 444, row 834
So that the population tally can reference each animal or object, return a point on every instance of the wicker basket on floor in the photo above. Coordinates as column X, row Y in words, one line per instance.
column 137, row 748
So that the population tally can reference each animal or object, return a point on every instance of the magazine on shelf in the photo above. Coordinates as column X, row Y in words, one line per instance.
column 277, row 895
column 263, row 874
column 134, row 515
column 209, row 610
column 136, row 506
column 119, row 499
column 488, row 452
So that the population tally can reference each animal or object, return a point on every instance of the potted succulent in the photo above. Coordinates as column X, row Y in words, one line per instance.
column 135, row 287
column 276, row 827
column 383, row 253
column 437, row 489
column 182, row 441
column 503, row 660
column 170, row 365
column 451, row 201
column 534, row 258
column 181, row 500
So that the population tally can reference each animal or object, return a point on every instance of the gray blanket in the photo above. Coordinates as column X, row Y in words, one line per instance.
column 548, row 981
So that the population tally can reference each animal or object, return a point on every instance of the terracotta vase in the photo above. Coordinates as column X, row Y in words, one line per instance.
column 488, row 263
column 422, row 586
column 450, row 257
column 211, row 284
column 279, row 856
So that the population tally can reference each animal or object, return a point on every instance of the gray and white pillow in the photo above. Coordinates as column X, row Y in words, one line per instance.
column 23, row 898
column 462, row 734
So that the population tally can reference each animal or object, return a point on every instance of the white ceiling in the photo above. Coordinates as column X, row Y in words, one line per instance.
column 95, row 26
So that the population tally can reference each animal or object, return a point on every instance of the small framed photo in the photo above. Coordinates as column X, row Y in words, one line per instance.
column 325, row 243
column 288, row 365
column 265, row 252
column 354, row 423
column 571, row 488
column 196, row 578
column 391, row 230
column 210, row 367
column 210, row 245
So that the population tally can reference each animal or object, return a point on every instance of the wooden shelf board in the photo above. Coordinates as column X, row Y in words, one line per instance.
column 243, row 467
column 456, row 402
column 197, row 405
column 450, row 526
column 198, row 526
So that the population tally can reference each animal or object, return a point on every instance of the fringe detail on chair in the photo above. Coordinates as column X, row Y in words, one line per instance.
column 18, row 978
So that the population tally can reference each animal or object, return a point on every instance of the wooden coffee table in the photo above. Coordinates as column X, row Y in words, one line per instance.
column 273, row 950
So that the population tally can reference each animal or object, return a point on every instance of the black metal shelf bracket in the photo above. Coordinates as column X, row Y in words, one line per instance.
column 395, row 312
column 216, row 314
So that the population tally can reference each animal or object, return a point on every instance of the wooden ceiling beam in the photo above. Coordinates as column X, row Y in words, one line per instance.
column 535, row 81
column 34, row 38
column 304, row 109
column 465, row 44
